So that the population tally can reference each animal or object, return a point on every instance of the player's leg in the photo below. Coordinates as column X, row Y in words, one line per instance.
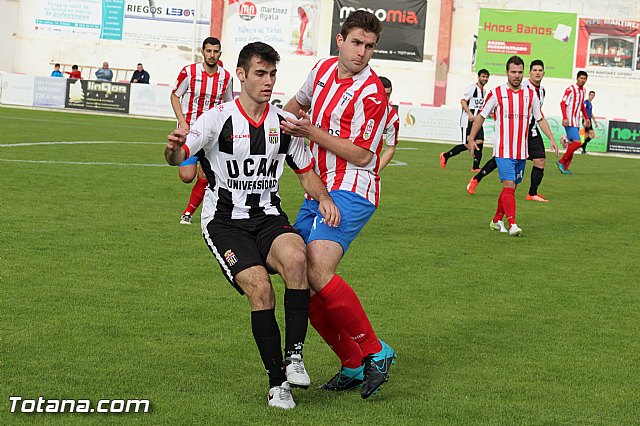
column 477, row 153
column 573, row 135
column 488, row 167
column 444, row 156
column 238, row 255
column 187, row 172
column 287, row 256
column 511, row 172
column 538, row 155
column 197, row 194
column 571, row 149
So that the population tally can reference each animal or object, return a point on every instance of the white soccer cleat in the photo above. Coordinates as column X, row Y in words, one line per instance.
column 185, row 219
column 295, row 371
column 515, row 230
column 498, row 226
column 280, row 397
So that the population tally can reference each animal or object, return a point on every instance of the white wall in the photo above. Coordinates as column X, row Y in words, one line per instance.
column 413, row 82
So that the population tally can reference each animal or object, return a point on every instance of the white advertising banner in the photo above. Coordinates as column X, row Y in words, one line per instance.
column 429, row 123
column 150, row 101
column 290, row 26
column 17, row 89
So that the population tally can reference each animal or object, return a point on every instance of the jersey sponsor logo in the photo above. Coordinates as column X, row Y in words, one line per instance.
column 274, row 136
column 369, row 129
column 241, row 136
column 251, row 185
column 249, row 168
column 230, row 257
column 195, row 133
column 321, row 83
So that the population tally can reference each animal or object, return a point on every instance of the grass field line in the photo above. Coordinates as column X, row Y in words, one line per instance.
column 83, row 163
column 11, row 145
column 76, row 123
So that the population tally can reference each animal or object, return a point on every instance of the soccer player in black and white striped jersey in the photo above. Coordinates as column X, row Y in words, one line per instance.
column 243, row 155
column 472, row 102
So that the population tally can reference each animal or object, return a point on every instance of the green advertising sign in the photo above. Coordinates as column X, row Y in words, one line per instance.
column 599, row 144
column 528, row 34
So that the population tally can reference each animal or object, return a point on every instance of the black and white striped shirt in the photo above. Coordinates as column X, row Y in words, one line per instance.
column 243, row 160
column 541, row 92
column 474, row 95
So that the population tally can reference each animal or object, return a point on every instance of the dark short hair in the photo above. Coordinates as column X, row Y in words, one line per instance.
column 386, row 83
column 210, row 40
column 483, row 71
column 364, row 20
column 536, row 62
column 56, row 65
column 581, row 73
column 140, row 64
column 591, row 91
column 74, row 67
column 262, row 50
column 515, row 60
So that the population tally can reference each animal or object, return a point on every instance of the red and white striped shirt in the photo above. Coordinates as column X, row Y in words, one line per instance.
column 392, row 127
column 352, row 108
column 572, row 103
column 199, row 91
column 513, row 112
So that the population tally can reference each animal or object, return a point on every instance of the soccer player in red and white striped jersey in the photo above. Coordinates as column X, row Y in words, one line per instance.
column 514, row 106
column 572, row 105
column 348, row 113
column 198, row 88
column 391, row 129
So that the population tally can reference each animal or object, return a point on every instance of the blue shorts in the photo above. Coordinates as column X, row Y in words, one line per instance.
column 510, row 169
column 573, row 133
column 190, row 161
column 355, row 211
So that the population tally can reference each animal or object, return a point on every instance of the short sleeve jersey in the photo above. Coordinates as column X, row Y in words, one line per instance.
column 541, row 92
column 392, row 127
column 573, row 99
column 474, row 95
column 199, row 91
column 353, row 108
column 513, row 113
column 243, row 160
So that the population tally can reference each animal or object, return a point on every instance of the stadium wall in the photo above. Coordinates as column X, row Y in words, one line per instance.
column 33, row 52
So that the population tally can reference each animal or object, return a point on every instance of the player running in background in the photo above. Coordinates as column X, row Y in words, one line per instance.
column 199, row 87
column 589, row 133
column 391, row 129
column 536, row 145
column 571, row 105
column 347, row 118
column 515, row 106
column 471, row 102
column 243, row 155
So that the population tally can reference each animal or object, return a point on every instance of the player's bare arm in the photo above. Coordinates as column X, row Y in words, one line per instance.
column 343, row 148
column 177, row 110
column 471, row 139
column 294, row 107
column 312, row 183
column 465, row 107
column 544, row 126
column 386, row 157
column 173, row 153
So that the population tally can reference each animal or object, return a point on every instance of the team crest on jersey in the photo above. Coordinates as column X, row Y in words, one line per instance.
column 369, row 129
column 346, row 98
column 273, row 135
column 230, row 257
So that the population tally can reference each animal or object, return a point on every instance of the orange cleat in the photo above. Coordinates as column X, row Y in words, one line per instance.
column 537, row 197
column 471, row 186
column 476, row 170
column 443, row 161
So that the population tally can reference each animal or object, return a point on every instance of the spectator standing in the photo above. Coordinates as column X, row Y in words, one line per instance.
column 56, row 71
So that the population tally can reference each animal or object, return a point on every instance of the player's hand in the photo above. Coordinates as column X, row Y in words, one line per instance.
column 183, row 125
column 471, row 145
column 176, row 139
column 565, row 122
column 330, row 212
column 587, row 122
column 554, row 146
column 564, row 141
column 471, row 117
column 300, row 127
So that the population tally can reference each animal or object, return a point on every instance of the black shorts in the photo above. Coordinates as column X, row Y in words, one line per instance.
column 588, row 129
column 536, row 148
column 467, row 130
column 238, row 244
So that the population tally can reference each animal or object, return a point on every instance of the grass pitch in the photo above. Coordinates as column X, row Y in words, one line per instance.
column 103, row 295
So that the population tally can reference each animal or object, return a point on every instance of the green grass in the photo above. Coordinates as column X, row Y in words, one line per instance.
column 103, row 294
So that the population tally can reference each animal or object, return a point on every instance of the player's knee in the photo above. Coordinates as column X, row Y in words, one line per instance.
column 261, row 295
column 540, row 162
column 186, row 175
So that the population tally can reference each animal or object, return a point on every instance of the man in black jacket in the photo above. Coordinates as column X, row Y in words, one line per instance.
column 140, row 76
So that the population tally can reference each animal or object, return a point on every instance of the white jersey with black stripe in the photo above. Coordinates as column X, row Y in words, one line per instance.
column 243, row 160
column 541, row 92
column 474, row 95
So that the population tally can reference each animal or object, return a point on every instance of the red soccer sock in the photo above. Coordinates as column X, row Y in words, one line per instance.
column 336, row 337
column 573, row 146
column 508, row 196
column 499, row 211
column 344, row 307
column 197, row 194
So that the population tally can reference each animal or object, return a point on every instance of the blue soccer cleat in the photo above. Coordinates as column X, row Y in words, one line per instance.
column 346, row 379
column 376, row 370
